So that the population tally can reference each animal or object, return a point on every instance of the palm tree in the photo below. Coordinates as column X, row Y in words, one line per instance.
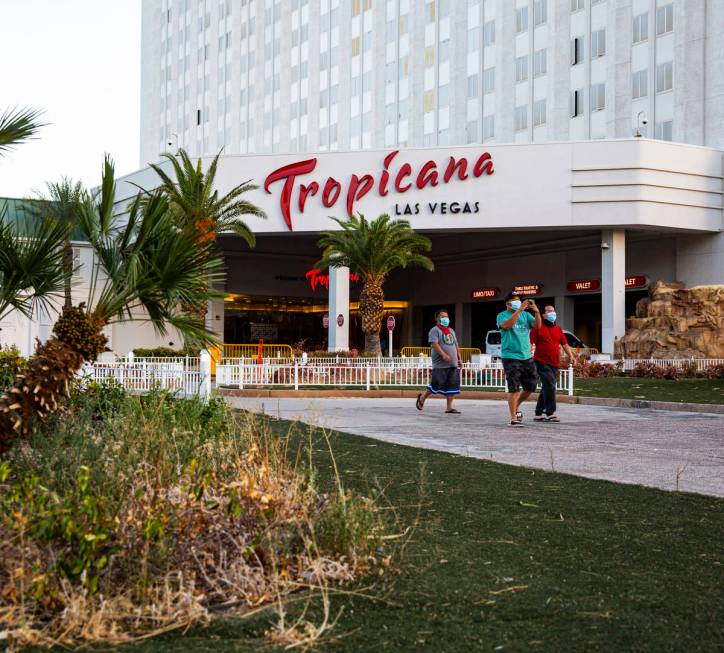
column 31, row 263
column 197, row 204
column 62, row 206
column 18, row 126
column 373, row 250
column 198, row 208
column 145, row 268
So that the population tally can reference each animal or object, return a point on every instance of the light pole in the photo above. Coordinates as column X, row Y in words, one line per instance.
column 639, row 123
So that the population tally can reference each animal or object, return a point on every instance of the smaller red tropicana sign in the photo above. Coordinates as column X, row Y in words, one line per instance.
column 316, row 278
column 485, row 293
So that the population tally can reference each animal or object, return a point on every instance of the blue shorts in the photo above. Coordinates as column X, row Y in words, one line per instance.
column 445, row 381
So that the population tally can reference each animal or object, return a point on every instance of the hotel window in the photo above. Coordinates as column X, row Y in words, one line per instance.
column 473, row 86
column 665, row 19
column 598, row 97
column 521, row 68
column 489, row 80
column 471, row 131
column 664, row 77
column 521, row 118
column 521, row 20
column 577, row 103
column 640, row 84
column 539, row 113
column 577, row 4
column 473, row 39
column 598, row 43
column 664, row 130
column 641, row 28
column 488, row 127
column 540, row 12
column 489, row 33
column 576, row 50
column 539, row 63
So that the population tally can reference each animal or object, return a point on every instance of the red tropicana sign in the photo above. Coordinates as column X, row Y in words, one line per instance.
column 316, row 278
column 398, row 179
column 484, row 293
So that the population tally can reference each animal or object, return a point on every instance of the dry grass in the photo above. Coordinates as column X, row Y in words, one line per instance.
column 135, row 517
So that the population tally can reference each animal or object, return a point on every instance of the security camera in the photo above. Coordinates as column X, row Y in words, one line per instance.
column 644, row 121
column 604, row 245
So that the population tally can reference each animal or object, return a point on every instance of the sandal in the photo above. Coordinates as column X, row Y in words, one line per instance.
column 552, row 418
column 515, row 423
column 419, row 404
column 453, row 411
column 519, row 416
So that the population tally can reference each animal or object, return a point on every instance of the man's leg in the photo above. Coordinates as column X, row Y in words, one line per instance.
column 522, row 396
column 424, row 396
column 513, row 404
column 548, row 380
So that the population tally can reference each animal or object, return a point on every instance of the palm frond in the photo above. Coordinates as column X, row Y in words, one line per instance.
column 18, row 126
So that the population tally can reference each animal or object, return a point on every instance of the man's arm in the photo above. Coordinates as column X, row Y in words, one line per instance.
column 538, row 320
column 508, row 324
column 457, row 349
column 572, row 356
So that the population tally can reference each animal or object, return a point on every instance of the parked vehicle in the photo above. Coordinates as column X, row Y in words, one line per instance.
column 493, row 343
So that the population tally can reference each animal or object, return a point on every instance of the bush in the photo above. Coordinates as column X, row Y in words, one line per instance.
column 11, row 362
column 133, row 514
column 715, row 371
column 585, row 369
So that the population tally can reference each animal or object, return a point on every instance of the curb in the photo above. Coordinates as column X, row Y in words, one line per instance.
column 499, row 396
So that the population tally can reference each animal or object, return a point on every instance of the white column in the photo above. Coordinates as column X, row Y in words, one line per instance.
column 564, row 310
column 613, row 287
column 338, row 305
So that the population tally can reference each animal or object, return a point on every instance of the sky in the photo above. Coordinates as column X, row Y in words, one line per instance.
column 79, row 61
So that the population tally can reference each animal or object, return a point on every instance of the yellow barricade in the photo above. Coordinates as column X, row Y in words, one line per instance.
column 252, row 351
column 466, row 353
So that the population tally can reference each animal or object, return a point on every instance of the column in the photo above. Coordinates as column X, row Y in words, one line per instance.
column 463, row 323
column 338, row 305
column 613, row 287
column 564, row 310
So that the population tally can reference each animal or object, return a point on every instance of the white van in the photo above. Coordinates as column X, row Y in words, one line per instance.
column 493, row 344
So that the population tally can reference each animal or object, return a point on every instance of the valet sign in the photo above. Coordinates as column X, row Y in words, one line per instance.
column 300, row 189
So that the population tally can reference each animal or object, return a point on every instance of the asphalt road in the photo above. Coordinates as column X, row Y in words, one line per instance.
column 664, row 449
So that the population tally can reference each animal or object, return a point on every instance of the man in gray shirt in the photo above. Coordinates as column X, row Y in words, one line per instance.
column 445, row 363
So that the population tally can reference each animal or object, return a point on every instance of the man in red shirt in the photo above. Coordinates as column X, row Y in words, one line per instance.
column 548, row 341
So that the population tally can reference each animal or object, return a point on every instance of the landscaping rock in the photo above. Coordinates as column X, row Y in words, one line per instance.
column 676, row 322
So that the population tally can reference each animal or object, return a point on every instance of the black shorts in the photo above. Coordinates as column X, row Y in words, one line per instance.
column 445, row 381
column 520, row 373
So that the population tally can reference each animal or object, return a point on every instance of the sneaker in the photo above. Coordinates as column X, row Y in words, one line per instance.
column 516, row 423
column 519, row 416
column 539, row 418
column 551, row 418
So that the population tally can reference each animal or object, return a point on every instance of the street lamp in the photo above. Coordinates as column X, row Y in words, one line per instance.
column 640, row 122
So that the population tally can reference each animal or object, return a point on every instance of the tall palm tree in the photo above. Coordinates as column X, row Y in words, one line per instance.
column 197, row 204
column 373, row 250
column 145, row 269
column 199, row 209
column 18, row 126
column 62, row 205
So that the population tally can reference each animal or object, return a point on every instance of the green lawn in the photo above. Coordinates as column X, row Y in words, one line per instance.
column 511, row 559
column 698, row 391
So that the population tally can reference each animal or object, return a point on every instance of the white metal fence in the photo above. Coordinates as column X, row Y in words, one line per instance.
column 187, row 377
column 367, row 375
column 701, row 363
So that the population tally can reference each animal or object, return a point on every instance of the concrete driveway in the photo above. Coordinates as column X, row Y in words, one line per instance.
column 647, row 447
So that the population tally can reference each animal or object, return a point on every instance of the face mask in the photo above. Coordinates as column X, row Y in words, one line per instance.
column 515, row 304
column 551, row 317
column 445, row 321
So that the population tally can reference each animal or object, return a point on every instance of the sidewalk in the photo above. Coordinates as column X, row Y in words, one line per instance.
column 626, row 445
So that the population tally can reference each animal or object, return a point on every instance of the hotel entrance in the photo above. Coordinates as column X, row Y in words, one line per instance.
column 295, row 321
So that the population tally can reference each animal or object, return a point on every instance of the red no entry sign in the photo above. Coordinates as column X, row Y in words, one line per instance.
column 340, row 319
column 391, row 323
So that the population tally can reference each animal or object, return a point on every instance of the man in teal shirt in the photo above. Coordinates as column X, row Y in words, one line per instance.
column 515, row 324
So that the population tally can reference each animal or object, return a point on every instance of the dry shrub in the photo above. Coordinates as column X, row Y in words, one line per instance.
column 139, row 515
column 715, row 371
column 585, row 369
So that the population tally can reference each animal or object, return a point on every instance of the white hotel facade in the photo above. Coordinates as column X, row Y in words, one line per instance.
column 374, row 105
column 573, row 99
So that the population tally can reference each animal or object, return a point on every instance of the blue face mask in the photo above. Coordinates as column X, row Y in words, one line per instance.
column 551, row 317
column 445, row 321
column 515, row 304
